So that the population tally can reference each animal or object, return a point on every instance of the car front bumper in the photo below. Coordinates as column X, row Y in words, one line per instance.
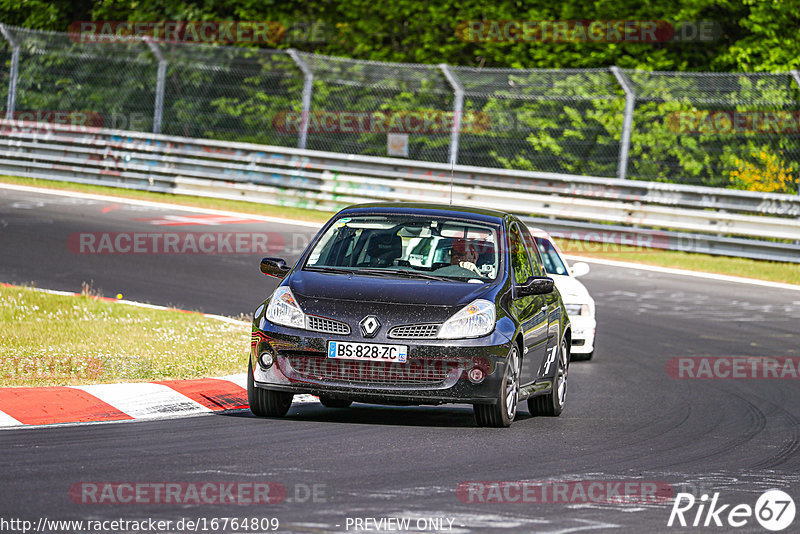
column 583, row 331
column 436, row 371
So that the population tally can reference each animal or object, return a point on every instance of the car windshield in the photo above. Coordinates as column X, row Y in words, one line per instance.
column 553, row 263
column 409, row 246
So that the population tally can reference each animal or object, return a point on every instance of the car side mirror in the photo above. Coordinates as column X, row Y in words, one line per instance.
column 580, row 268
column 536, row 285
column 275, row 267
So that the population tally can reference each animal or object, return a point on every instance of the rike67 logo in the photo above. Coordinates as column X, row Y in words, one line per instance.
column 774, row 510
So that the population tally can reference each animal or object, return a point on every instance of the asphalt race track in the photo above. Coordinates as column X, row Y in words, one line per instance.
column 626, row 419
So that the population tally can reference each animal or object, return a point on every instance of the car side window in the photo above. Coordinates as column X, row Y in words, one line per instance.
column 520, row 259
column 538, row 265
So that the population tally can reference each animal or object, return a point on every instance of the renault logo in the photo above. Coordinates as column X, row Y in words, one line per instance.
column 369, row 326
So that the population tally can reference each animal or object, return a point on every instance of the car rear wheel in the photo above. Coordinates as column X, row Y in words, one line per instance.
column 501, row 414
column 264, row 402
column 335, row 403
column 552, row 404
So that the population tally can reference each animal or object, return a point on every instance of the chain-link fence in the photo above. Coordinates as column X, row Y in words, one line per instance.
column 717, row 129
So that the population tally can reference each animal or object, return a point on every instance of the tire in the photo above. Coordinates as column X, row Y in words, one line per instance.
column 501, row 414
column 552, row 404
column 581, row 357
column 335, row 403
column 265, row 402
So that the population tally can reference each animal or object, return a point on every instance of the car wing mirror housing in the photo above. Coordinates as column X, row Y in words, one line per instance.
column 537, row 285
column 580, row 268
column 275, row 267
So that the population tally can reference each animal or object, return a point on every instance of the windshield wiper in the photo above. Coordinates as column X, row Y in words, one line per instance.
column 406, row 274
column 324, row 269
column 382, row 272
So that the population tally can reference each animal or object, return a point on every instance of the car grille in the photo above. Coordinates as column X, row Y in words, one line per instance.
column 329, row 326
column 415, row 331
column 414, row 372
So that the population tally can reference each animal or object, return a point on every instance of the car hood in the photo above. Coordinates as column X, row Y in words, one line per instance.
column 571, row 289
column 307, row 285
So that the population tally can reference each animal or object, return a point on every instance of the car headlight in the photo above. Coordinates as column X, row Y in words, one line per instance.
column 474, row 320
column 284, row 310
column 577, row 309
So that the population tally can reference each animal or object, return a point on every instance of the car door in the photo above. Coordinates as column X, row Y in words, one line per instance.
column 552, row 299
column 530, row 311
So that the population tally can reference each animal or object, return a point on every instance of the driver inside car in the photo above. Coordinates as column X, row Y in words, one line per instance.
column 464, row 255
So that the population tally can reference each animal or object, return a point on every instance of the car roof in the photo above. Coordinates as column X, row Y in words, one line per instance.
column 538, row 232
column 423, row 208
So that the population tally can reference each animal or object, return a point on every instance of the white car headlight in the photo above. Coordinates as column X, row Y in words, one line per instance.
column 473, row 320
column 284, row 310
column 577, row 309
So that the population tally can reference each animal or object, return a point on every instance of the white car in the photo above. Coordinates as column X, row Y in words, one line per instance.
column 579, row 304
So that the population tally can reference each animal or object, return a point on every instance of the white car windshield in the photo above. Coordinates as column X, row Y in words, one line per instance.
column 409, row 246
column 553, row 263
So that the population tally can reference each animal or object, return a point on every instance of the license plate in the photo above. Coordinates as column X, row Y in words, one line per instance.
column 373, row 352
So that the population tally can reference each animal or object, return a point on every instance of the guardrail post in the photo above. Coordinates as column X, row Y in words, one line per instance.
column 308, row 85
column 627, row 123
column 158, row 112
column 458, row 109
column 13, row 74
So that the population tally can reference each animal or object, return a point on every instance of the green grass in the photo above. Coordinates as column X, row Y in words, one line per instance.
column 54, row 340
column 763, row 270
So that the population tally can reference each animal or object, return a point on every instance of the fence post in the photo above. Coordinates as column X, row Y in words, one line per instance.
column 796, row 76
column 308, row 81
column 158, row 112
column 458, row 109
column 13, row 74
column 627, row 123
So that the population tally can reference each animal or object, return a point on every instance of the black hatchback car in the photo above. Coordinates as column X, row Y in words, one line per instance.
column 398, row 303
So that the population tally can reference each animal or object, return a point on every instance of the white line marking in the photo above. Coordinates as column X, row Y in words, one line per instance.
column 6, row 420
column 685, row 272
column 144, row 400
column 84, row 423
column 163, row 205
column 140, row 305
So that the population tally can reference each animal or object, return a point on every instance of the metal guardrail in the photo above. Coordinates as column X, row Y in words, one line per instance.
column 659, row 215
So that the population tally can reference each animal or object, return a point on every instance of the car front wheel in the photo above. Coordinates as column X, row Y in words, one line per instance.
column 264, row 402
column 501, row 414
column 552, row 403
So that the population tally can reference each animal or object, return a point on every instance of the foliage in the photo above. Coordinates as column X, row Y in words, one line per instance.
column 569, row 123
column 772, row 174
